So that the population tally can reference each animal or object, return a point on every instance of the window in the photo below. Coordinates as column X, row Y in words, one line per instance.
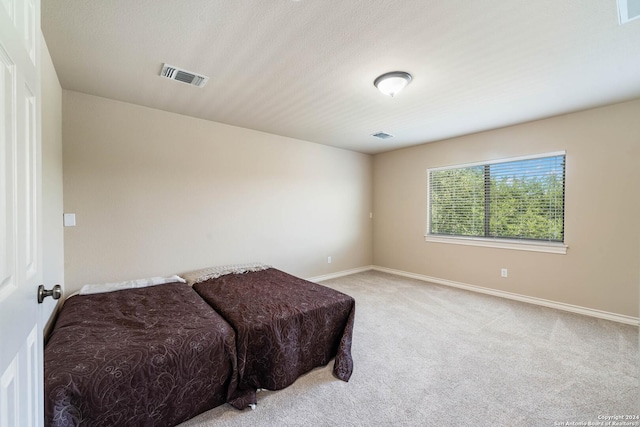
column 515, row 203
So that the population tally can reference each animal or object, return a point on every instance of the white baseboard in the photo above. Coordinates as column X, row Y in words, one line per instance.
column 340, row 274
column 523, row 298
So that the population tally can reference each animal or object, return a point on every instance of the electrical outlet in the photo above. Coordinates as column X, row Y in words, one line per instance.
column 503, row 272
column 328, row 260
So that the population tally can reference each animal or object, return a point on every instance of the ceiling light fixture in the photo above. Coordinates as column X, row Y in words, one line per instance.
column 393, row 82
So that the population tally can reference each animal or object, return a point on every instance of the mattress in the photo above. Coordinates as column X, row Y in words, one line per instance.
column 285, row 326
column 154, row 356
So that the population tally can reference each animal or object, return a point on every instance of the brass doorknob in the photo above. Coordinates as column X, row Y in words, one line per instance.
column 56, row 293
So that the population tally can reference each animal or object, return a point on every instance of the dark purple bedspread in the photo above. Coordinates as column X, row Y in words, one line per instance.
column 285, row 326
column 153, row 356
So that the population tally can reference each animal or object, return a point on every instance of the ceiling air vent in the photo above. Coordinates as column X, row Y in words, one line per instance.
column 184, row 76
column 382, row 135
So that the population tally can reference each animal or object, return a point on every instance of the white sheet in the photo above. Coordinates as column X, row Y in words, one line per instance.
column 129, row 284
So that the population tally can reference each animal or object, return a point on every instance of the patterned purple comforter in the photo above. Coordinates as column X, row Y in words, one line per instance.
column 285, row 326
column 154, row 356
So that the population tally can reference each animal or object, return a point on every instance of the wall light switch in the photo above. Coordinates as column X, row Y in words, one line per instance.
column 69, row 220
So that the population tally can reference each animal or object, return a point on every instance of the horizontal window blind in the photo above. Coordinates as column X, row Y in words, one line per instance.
column 521, row 199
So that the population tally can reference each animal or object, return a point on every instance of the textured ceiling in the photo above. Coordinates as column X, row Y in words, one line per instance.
column 305, row 69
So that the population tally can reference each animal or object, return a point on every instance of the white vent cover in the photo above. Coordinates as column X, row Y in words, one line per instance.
column 628, row 10
column 184, row 76
column 382, row 135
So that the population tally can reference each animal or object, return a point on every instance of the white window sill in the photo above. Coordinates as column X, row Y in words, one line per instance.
column 518, row 245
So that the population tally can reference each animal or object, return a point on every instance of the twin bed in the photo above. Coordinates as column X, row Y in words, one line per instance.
column 160, row 355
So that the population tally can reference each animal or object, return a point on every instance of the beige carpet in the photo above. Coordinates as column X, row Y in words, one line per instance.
column 430, row 355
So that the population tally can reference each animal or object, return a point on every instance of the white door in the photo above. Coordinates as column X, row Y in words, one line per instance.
column 21, row 384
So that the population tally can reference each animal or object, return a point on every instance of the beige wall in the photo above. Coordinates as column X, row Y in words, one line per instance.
column 602, row 227
column 157, row 193
column 52, row 232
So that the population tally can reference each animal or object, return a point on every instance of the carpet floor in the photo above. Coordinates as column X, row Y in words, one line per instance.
column 431, row 355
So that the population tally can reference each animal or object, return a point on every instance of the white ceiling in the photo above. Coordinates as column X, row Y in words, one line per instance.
column 305, row 69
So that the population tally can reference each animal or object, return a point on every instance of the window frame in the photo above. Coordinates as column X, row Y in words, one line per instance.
column 497, row 242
